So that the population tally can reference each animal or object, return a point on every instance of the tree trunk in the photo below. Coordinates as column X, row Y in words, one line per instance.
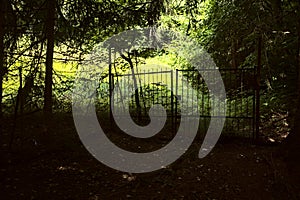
column 137, row 99
column 2, row 67
column 233, row 53
column 292, row 144
column 277, row 7
column 257, row 90
column 49, row 57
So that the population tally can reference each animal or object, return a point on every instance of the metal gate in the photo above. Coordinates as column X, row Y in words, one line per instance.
column 168, row 88
column 153, row 87
column 240, row 99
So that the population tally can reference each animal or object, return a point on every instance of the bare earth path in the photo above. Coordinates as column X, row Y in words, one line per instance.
column 57, row 166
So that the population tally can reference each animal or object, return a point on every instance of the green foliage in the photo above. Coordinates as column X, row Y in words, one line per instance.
column 228, row 30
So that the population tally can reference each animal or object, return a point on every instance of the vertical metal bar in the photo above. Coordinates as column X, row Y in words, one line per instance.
column 153, row 89
column 197, row 93
column 247, row 104
column 193, row 99
column 253, row 116
column 182, row 95
column 176, row 105
column 110, row 84
column 165, row 95
column 239, row 100
column 161, row 89
column 146, row 83
column 236, row 98
column 202, row 100
column 213, row 102
column 129, row 89
column 167, row 74
column 157, row 88
column 225, row 85
column 172, row 101
column 164, row 91
column 115, row 84
column 230, row 87
column 112, row 105
column 219, row 103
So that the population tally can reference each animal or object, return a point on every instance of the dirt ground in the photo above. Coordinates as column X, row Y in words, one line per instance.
column 53, row 164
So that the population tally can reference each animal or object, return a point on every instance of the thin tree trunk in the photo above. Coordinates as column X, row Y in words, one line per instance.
column 277, row 6
column 49, row 57
column 233, row 53
column 137, row 99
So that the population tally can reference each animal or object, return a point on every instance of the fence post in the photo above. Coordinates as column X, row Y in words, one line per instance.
column 176, row 101
column 257, row 112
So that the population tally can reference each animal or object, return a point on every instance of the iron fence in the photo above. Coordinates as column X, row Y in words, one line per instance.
column 177, row 89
